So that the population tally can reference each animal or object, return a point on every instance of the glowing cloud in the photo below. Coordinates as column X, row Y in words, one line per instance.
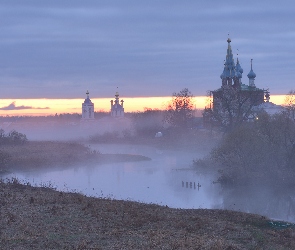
column 12, row 106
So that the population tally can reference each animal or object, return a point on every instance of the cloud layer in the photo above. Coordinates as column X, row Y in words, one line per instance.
column 58, row 49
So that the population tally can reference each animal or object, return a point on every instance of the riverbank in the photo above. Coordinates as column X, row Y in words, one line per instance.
column 39, row 218
column 40, row 154
column 173, row 139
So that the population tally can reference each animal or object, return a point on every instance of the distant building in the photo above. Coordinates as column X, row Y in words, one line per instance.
column 232, row 77
column 87, row 108
column 117, row 109
column 270, row 108
column 233, row 101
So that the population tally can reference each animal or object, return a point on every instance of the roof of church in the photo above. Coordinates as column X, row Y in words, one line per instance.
column 246, row 87
column 87, row 100
column 232, row 70
column 238, row 67
column 251, row 74
column 270, row 108
column 243, row 87
column 229, row 64
column 117, row 107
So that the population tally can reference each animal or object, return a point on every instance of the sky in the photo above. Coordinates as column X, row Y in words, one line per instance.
column 61, row 48
column 45, row 106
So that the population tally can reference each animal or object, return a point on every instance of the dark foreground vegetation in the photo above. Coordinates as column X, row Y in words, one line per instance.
column 41, row 218
column 262, row 152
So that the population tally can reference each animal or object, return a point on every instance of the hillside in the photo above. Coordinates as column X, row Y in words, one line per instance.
column 39, row 218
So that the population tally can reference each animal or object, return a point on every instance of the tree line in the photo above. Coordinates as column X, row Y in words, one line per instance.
column 256, row 150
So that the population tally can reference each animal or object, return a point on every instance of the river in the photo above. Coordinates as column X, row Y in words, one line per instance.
column 168, row 179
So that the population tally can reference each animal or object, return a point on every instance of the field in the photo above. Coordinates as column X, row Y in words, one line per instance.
column 41, row 218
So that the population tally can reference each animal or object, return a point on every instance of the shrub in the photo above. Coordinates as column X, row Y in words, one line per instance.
column 13, row 137
column 17, row 138
column 263, row 150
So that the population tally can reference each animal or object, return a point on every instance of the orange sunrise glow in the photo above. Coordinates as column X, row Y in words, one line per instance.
column 131, row 104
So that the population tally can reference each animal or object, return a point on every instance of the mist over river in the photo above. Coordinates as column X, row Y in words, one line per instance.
column 168, row 179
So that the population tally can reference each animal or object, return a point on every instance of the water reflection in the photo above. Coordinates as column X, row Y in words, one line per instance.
column 271, row 202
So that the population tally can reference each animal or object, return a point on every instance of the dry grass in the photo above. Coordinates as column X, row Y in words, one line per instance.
column 41, row 218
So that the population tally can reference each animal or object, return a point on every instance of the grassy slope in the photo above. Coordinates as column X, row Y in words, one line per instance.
column 41, row 218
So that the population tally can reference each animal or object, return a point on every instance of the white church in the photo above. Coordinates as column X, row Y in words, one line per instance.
column 117, row 109
column 87, row 108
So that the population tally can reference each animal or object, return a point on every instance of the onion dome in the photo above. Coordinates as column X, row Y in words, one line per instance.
column 238, row 74
column 251, row 74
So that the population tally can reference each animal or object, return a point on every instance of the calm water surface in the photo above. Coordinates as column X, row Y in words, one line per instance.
column 167, row 179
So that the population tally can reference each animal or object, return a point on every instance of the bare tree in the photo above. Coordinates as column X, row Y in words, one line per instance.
column 180, row 109
column 232, row 106
column 290, row 104
column 261, row 150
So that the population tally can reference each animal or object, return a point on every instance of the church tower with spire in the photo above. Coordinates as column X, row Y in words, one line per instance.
column 87, row 108
column 232, row 73
column 231, row 78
